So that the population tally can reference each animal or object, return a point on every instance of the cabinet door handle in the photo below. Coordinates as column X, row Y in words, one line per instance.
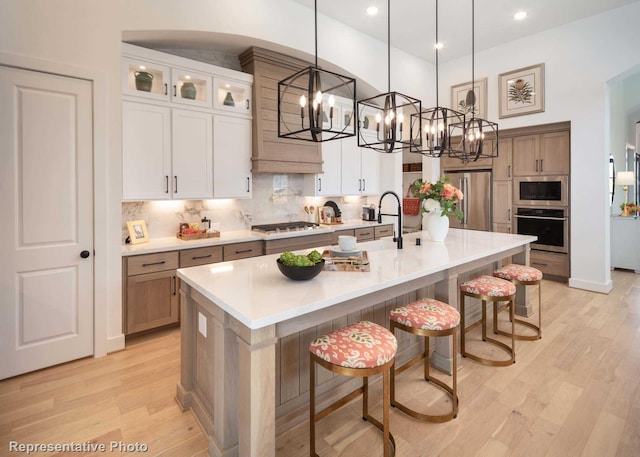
column 509, row 171
column 509, row 213
column 541, row 167
column 166, row 89
column 196, row 257
column 247, row 104
column 166, row 184
column 175, row 288
column 175, row 180
column 359, row 185
column 175, row 91
column 319, row 184
column 536, row 165
column 364, row 185
column 243, row 251
column 248, row 184
column 154, row 263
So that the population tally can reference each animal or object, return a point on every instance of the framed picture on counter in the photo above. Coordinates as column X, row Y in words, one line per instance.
column 521, row 91
column 138, row 232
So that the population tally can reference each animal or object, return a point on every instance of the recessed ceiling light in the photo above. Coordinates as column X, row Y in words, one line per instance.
column 438, row 45
column 520, row 15
column 372, row 10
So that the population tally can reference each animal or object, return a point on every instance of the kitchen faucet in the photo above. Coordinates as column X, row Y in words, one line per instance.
column 397, row 239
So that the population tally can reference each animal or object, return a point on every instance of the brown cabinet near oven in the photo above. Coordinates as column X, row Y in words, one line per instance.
column 530, row 191
column 541, row 154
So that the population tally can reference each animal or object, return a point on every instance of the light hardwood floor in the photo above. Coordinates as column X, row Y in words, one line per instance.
column 576, row 392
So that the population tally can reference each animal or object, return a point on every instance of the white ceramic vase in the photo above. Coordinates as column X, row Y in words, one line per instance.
column 437, row 226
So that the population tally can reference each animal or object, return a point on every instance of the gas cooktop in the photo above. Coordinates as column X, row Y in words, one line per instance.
column 285, row 227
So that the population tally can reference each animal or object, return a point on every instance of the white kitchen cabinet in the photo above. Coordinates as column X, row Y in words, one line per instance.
column 370, row 171
column 360, row 169
column 232, row 95
column 150, row 75
column 190, row 88
column 169, row 141
column 167, row 153
column 625, row 250
column 192, row 154
column 327, row 183
column 350, row 165
column 145, row 78
column 231, row 157
column 146, row 152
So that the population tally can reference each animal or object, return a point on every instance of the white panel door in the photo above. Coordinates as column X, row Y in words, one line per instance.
column 146, row 152
column 46, row 202
column 231, row 157
column 192, row 154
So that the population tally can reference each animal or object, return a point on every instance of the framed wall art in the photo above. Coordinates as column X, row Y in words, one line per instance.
column 138, row 232
column 459, row 98
column 521, row 91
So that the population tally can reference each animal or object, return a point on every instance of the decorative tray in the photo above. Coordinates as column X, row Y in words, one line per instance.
column 358, row 262
column 197, row 236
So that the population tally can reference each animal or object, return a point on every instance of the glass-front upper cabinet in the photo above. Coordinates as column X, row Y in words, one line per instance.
column 230, row 95
column 144, row 79
column 190, row 88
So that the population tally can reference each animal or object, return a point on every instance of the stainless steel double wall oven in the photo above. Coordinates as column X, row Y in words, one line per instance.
column 542, row 209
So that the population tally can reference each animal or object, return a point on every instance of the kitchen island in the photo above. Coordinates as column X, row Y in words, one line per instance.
column 239, row 318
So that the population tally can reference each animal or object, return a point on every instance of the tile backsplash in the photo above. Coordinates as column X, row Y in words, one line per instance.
column 276, row 198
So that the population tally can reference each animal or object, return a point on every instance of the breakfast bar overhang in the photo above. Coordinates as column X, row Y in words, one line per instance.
column 234, row 313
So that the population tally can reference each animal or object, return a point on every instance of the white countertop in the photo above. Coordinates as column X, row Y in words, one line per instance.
column 255, row 292
column 173, row 243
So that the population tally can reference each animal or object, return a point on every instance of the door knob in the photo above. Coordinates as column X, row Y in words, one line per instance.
column 85, row 254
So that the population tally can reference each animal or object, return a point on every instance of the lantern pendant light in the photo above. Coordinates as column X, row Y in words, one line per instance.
column 384, row 120
column 437, row 123
column 307, row 102
column 479, row 136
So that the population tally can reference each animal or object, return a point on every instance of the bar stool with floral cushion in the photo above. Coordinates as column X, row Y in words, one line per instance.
column 526, row 276
column 427, row 317
column 496, row 290
column 359, row 350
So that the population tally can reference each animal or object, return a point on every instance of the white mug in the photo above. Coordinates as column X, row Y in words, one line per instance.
column 347, row 243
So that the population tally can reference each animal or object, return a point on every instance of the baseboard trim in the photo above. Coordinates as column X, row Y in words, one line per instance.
column 115, row 343
column 602, row 288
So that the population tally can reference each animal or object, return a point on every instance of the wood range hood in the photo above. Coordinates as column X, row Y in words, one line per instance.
column 270, row 153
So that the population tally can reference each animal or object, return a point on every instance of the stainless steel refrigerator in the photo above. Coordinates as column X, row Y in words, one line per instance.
column 476, row 204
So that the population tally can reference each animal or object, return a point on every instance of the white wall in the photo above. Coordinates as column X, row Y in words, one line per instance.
column 54, row 34
column 579, row 60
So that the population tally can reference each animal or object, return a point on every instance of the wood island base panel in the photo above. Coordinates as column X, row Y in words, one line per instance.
column 245, row 328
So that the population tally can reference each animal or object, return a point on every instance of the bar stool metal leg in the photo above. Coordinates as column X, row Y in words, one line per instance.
column 521, row 275
column 371, row 367
column 427, row 318
column 501, row 291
